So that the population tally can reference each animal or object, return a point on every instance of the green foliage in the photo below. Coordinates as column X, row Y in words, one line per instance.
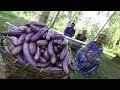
column 113, row 33
column 50, row 18
column 63, row 19
column 5, row 16
column 116, row 59
column 28, row 15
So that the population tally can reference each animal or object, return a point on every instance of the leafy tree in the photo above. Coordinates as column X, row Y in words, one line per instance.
column 113, row 33
column 54, row 19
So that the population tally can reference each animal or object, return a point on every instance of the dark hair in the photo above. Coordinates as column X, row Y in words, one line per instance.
column 73, row 23
column 103, row 35
column 84, row 30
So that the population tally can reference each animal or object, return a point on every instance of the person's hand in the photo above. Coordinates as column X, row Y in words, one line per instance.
column 85, row 49
column 90, row 58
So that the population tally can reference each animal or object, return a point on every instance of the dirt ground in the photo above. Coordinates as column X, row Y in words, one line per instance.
column 2, row 68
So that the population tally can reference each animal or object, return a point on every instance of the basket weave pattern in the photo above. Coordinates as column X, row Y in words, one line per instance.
column 19, row 70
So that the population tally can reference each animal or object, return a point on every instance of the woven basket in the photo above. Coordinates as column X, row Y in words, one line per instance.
column 18, row 70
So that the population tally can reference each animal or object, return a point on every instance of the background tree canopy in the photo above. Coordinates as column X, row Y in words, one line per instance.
column 65, row 18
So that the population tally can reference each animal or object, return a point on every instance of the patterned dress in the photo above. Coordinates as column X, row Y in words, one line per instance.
column 85, row 67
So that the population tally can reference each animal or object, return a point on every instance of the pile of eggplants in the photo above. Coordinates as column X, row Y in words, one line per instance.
column 33, row 43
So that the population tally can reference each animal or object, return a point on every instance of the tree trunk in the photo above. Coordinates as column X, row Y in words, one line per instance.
column 55, row 18
column 44, row 16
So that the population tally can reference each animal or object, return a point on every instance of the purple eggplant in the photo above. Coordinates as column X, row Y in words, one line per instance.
column 27, row 38
column 21, row 29
column 64, row 52
column 61, row 42
column 32, row 48
column 50, row 34
column 65, row 64
column 20, row 58
column 46, row 55
column 43, row 65
column 21, row 39
column 69, row 58
column 50, row 48
column 42, row 60
column 34, row 28
column 12, row 33
column 53, row 59
column 28, row 55
column 17, row 50
column 29, row 30
column 24, row 58
column 14, row 40
column 37, row 54
column 42, row 42
column 38, row 35
column 58, row 36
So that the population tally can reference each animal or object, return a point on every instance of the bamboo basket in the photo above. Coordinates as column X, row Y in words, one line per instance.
column 18, row 70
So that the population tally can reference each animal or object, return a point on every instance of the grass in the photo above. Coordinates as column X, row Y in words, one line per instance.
column 109, row 68
column 5, row 17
